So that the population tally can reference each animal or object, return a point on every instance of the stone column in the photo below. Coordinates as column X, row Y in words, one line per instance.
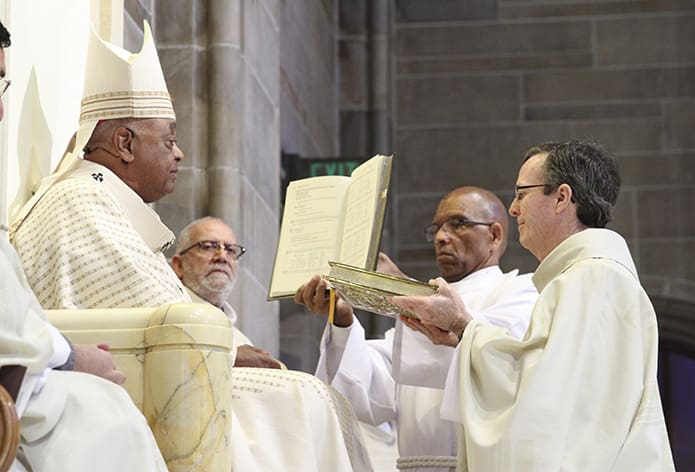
column 244, row 149
column 220, row 59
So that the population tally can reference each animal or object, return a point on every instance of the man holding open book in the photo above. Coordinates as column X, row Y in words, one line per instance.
column 402, row 376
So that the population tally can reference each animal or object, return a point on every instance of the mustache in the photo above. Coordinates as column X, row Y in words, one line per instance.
column 223, row 267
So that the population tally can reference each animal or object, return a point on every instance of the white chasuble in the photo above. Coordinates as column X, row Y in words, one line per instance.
column 579, row 391
column 25, row 336
column 91, row 242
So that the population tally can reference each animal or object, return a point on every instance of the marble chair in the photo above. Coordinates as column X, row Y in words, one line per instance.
column 177, row 359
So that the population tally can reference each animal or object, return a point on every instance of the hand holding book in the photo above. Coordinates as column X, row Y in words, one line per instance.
column 445, row 310
column 314, row 295
column 433, row 309
column 436, row 335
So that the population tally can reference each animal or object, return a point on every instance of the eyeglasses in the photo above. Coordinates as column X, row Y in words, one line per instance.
column 234, row 251
column 4, row 85
column 524, row 187
column 451, row 226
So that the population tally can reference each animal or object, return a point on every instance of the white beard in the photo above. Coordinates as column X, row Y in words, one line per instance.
column 214, row 291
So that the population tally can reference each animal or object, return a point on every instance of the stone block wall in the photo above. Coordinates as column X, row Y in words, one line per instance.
column 478, row 82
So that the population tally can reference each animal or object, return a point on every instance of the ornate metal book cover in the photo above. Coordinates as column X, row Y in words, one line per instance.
column 369, row 290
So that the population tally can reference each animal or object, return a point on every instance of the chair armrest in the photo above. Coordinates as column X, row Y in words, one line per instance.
column 178, row 360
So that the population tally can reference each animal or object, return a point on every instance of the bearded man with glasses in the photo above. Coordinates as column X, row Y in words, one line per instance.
column 401, row 377
column 207, row 261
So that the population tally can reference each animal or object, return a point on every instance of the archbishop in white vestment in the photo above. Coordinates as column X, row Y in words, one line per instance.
column 69, row 420
column 401, row 378
column 579, row 392
column 91, row 242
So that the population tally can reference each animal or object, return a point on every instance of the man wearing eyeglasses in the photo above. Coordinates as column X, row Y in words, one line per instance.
column 579, row 392
column 206, row 261
column 401, row 377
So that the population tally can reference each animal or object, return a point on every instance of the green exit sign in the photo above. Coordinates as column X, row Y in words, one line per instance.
column 332, row 167
column 296, row 167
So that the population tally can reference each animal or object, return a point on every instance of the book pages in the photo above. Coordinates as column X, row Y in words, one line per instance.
column 330, row 218
column 361, row 206
column 309, row 232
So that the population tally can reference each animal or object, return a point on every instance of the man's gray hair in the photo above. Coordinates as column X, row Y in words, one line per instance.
column 184, row 240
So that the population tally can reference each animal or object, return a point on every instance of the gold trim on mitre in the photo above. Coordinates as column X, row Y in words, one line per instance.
column 117, row 84
column 132, row 104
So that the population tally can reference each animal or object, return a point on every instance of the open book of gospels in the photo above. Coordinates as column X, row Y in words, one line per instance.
column 370, row 291
column 330, row 218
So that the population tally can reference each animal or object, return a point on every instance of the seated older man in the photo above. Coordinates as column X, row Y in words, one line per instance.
column 206, row 261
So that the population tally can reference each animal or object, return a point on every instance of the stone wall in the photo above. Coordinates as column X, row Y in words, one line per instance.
column 478, row 82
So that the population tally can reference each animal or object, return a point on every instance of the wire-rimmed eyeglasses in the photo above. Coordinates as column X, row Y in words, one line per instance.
column 451, row 226
column 4, row 85
column 234, row 251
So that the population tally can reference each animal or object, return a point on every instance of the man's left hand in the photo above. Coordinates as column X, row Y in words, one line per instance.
column 250, row 356
column 97, row 360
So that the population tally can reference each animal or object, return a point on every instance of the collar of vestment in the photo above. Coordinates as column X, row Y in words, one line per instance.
column 480, row 278
column 226, row 307
column 592, row 243
column 143, row 218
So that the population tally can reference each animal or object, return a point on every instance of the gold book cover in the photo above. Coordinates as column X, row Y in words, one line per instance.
column 370, row 291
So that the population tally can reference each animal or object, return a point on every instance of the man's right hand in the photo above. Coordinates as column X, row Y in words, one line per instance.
column 436, row 335
column 385, row 265
column 314, row 295
column 97, row 360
